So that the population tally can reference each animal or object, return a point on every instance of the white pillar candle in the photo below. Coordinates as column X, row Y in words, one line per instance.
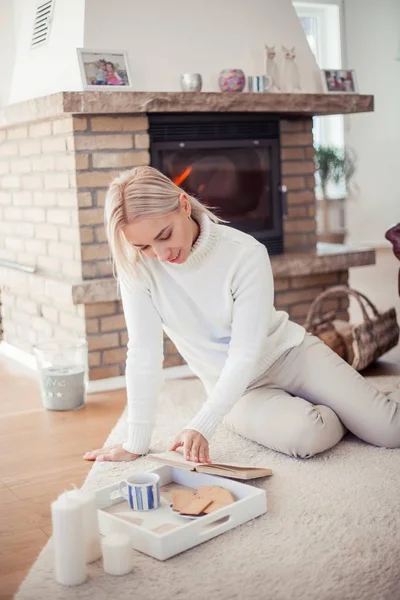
column 117, row 554
column 68, row 540
column 90, row 523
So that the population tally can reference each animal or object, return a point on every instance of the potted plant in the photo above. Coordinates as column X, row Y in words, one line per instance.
column 334, row 166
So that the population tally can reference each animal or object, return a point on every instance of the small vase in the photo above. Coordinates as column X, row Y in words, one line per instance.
column 231, row 80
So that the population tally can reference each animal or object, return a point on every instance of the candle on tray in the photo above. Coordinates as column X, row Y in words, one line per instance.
column 68, row 540
column 117, row 554
column 90, row 523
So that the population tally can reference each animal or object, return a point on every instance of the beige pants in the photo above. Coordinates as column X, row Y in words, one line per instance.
column 308, row 399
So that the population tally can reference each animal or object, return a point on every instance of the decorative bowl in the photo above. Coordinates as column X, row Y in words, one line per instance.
column 231, row 80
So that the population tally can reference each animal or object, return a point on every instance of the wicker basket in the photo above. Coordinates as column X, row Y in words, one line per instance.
column 362, row 344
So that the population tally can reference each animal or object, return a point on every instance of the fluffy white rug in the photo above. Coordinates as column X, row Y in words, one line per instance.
column 331, row 531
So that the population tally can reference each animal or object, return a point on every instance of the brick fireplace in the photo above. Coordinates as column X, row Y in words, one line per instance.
column 57, row 157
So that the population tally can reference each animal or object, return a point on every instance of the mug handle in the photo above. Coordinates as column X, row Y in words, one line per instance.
column 269, row 82
column 121, row 486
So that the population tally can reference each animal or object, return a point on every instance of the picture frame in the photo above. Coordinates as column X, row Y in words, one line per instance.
column 339, row 81
column 104, row 69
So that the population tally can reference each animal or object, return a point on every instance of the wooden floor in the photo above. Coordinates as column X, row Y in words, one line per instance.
column 41, row 456
column 42, row 451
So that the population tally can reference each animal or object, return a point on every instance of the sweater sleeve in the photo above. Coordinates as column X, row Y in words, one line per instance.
column 144, row 375
column 253, row 293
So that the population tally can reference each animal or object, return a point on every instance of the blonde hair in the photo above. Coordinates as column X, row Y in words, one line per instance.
column 142, row 192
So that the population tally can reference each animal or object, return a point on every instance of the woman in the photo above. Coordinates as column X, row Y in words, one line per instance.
column 210, row 287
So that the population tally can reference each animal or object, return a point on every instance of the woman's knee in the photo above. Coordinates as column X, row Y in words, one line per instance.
column 388, row 437
column 301, row 433
column 382, row 429
column 319, row 430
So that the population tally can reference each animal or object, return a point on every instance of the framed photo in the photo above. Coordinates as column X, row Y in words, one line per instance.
column 104, row 69
column 339, row 81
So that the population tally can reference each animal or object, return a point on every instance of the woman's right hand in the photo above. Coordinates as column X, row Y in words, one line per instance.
column 111, row 453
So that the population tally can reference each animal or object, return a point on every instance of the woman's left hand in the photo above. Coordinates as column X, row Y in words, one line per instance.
column 195, row 445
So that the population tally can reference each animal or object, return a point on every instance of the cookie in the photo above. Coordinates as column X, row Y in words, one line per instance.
column 219, row 494
column 180, row 498
column 196, row 505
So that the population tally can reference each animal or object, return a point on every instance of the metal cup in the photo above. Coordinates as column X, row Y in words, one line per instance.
column 191, row 82
column 259, row 83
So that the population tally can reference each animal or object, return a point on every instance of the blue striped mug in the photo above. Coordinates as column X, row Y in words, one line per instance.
column 142, row 491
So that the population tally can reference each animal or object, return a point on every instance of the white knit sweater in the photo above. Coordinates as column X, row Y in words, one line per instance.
column 217, row 308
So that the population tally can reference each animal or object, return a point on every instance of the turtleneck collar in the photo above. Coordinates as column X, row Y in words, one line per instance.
column 203, row 246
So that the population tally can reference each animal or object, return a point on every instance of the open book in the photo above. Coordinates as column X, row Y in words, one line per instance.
column 176, row 459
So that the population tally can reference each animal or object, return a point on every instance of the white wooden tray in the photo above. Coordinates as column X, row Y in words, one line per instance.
column 161, row 533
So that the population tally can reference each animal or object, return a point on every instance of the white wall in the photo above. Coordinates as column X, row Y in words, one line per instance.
column 163, row 39
column 167, row 38
column 7, row 49
column 372, row 37
column 51, row 67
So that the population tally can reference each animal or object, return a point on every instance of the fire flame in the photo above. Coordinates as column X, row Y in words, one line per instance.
column 181, row 178
column 184, row 175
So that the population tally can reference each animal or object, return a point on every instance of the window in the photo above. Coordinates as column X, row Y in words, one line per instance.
column 322, row 23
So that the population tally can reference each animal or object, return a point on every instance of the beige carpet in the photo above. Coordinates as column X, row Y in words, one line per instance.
column 331, row 531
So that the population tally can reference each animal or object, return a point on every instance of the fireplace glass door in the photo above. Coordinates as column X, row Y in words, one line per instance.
column 236, row 181
column 237, row 176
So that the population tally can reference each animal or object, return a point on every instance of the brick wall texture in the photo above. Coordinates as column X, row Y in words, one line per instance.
column 103, row 146
column 37, row 308
column 38, row 198
column 297, row 160
column 53, row 180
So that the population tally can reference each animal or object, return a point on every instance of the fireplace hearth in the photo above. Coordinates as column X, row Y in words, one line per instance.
column 229, row 162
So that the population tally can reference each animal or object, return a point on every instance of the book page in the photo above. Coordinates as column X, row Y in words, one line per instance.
column 175, row 457
column 178, row 458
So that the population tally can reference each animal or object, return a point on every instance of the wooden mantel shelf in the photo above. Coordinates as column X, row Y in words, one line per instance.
column 117, row 102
